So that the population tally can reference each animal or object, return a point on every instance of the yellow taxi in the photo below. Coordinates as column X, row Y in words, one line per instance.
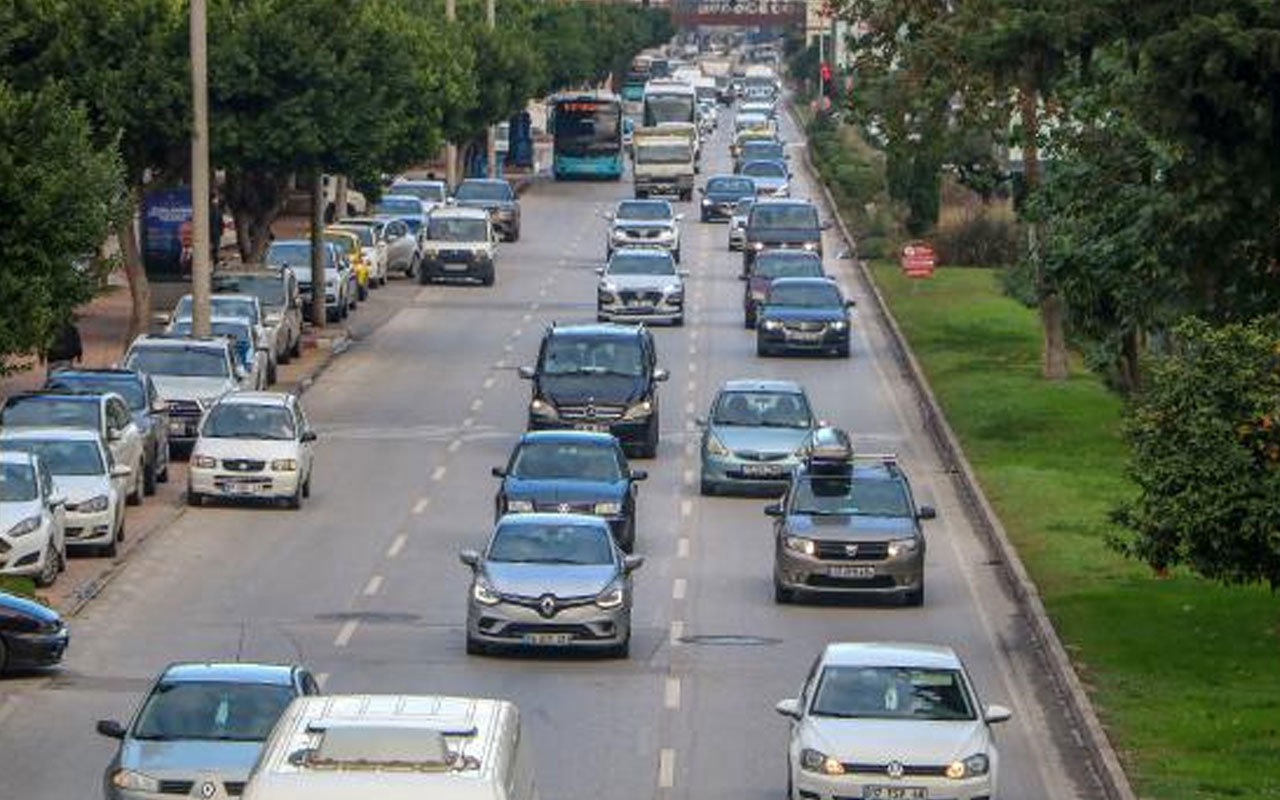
column 349, row 242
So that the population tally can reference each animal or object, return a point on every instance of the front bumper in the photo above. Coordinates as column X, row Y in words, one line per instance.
column 44, row 649
column 733, row 474
column 849, row 576
column 665, row 308
column 737, row 237
column 674, row 184
column 24, row 555
column 785, row 340
column 717, row 212
column 811, row 786
column 264, row 483
column 202, row 786
column 583, row 626
column 458, row 266
column 670, row 244
column 91, row 528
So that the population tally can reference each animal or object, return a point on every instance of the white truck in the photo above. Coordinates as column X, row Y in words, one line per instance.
column 665, row 162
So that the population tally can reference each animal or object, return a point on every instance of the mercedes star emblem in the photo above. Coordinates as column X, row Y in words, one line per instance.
column 895, row 770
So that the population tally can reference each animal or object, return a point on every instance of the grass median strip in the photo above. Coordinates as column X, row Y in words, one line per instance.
column 1185, row 673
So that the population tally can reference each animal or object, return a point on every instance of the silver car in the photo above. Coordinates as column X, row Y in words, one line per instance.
column 754, row 437
column 555, row 580
column 639, row 285
column 644, row 223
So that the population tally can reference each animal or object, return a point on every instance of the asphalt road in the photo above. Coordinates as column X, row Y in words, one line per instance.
column 363, row 584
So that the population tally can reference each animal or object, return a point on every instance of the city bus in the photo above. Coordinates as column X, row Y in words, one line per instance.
column 586, row 134
column 669, row 101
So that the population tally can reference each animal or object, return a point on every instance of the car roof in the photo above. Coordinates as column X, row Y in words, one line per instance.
column 459, row 212
column 162, row 340
column 783, row 201
column 598, row 329
column 415, row 182
column 583, row 437
column 231, row 672
column 61, row 394
column 758, row 385
column 51, row 433
column 896, row 654
column 414, row 198
column 541, row 518
column 257, row 398
column 486, row 180
column 17, row 457
column 105, row 372
column 644, row 201
column 813, row 280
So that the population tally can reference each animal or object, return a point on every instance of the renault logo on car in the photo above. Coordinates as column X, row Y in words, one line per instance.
column 207, row 789
column 547, row 606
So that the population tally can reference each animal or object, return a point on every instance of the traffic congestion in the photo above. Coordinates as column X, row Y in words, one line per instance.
column 626, row 455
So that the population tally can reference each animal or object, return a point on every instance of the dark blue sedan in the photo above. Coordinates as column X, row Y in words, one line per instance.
column 722, row 193
column 803, row 315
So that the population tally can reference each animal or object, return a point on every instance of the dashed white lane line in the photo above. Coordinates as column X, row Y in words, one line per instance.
column 437, row 474
column 678, row 588
column 489, row 382
column 371, row 588
column 397, row 544
column 690, row 407
column 421, row 505
column 345, row 633
column 526, row 318
column 468, row 422
column 693, row 349
column 693, row 367
column 688, row 477
column 690, row 448
column 671, row 697
column 682, row 548
column 692, row 387
column 666, row 768
column 508, row 347
column 454, row 445
column 321, row 679
column 517, row 333
column 677, row 631
column 534, row 306
column 477, row 404
column 686, row 508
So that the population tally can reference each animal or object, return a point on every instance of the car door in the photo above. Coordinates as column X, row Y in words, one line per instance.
column 400, row 245
column 306, row 443
column 55, row 506
column 292, row 309
column 125, row 438
column 158, row 409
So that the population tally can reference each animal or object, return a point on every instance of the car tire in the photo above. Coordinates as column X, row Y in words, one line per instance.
column 306, row 486
column 296, row 349
column 294, row 501
column 112, row 548
column 628, row 541
column 271, row 373
column 843, row 351
column 915, row 597
column 4, row 655
column 49, row 573
column 149, row 476
column 649, row 448
column 476, row 647
column 782, row 595
column 676, row 255
column 708, row 488
column 678, row 322
column 489, row 277
column 194, row 499
column 423, row 277
column 622, row 649
column 703, row 217
column 762, row 349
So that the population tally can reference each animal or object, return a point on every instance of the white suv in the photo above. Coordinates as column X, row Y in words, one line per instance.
column 33, row 538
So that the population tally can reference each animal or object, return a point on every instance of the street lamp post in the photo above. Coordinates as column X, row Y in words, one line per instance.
column 201, row 260
column 451, row 149
column 491, row 147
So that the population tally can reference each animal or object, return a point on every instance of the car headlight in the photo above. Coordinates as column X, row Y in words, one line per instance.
column 810, row 245
column 519, row 506
column 618, row 233
column 673, row 289
column 28, row 525
column 640, row 410
column 706, row 201
column 839, row 325
column 800, row 545
column 902, row 547
column 814, row 761
column 483, row 593
column 608, row 288
column 204, row 462
column 134, row 781
column 274, row 319
column 93, row 504
column 757, row 245
column 715, row 447
column 285, row 465
column 772, row 325
column 612, row 597
column 607, row 509
column 541, row 408
column 974, row 766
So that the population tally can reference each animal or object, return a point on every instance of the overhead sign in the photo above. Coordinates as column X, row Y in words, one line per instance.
column 918, row 260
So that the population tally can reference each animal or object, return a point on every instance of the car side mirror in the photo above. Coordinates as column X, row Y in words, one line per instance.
column 639, row 475
column 741, row 277
column 159, row 407
column 121, row 471
column 607, row 214
column 113, row 435
column 788, row 708
column 309, row 436
column 661, row 375
column 702, row 190
column 997, row 714
column 850, row 303
column 679, row 217
column 926, row 512
column 470, row 558
column 57, row 500
column 632, row 563
column 826, row 224
column 684, row 273
column 110, row 729
column 600, row 271
column 525, row 373
column 701, row 422
column 773, row 510
column 499, row 472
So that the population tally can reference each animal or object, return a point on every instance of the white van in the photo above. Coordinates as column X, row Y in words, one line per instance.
column 395, row 747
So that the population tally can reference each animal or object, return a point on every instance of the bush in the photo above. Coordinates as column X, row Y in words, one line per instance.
column 978, row 240
column 855, row 175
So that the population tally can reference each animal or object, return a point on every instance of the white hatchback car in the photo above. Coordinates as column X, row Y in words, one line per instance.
column 253, row 445
column 890, row 720
column 85, row 474
column 32, row 537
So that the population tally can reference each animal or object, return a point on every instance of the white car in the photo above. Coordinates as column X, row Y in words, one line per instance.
column 890, row 720
column 85, row 475
column 252, row 445
column 251, row 357
column 33, row 538
column 245, row 306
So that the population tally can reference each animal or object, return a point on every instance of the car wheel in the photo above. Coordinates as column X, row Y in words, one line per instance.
column 762, row 349
column 194, row 498
column 843, row 350
column 414, row 267
column 781, row 594
column 162, row 476
column 622, row 649
column 149, row 476
column 139, row 481
column 294, row 501
column 271, row 373
column 306, row 486
column 678, row 322
column 476, row 647
column 915, row 597
column 708, row 488
column 423, row 277
column 676, row 255
column 49, row 572
column 489, row 277
column 4, row 655
column 296, row 350
column 650, row 447
column 112, row 548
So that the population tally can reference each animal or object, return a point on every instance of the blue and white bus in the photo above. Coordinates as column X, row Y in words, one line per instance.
column 586, row 135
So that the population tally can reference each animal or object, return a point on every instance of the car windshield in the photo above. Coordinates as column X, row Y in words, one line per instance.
column 17, row 483
column 750, row 119
column 248, row 421
column 787, row 264
column 363, row 232
column 764, row 169
column 239, row 334
column 525, row 543
column 633, row 210
column 183, row 362
column 211, row 711
column 343, row 242
column 397, row 206
column 219, row 306
column 785, row 216
column 730, row 186
column 27, row 412
column 431, row 192
column 293, row 254
column 845, row 496
column 762, row 410
column 592, row 355
column 458, row 230
column 641, row 264
column 762, row 151
column 269, row 289
column 61, row 457
column 537, row 461
column 127, row 386
column 805, row 295
column 892, row 693
column 483, row 190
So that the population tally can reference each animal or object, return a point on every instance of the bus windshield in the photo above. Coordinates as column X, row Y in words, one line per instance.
column 585, row 127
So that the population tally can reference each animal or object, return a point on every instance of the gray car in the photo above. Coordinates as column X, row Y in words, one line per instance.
column 199, row 729
column 550, row 580
column 754, row 436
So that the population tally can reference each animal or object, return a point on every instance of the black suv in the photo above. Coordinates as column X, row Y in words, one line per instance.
column 782, row 224
column 598, row 378
column 571, row 472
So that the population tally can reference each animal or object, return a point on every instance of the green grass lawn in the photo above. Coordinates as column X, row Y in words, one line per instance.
column 22, row 586
column 1185, row 673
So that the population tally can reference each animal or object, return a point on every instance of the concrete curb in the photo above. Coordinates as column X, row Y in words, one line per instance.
column 1106, row 766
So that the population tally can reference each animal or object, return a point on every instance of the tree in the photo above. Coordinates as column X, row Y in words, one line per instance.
column 60, row 194
column 1205, row 440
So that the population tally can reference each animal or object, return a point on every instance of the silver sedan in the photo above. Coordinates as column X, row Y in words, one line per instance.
column 550, row 580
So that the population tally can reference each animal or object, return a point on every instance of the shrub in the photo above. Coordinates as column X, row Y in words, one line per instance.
column 979, row 239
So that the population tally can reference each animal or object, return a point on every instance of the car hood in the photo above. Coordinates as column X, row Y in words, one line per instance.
column 563, row 491
column 561, row 580
column 727, row 197
column 879, row 741
column 79, row 488
column 266, row 449
column 184, row 759
column 12, row 513
column 604, row 389
column 769, row 182
column 28, row 608
column 848, row 527
column 642, row 281
column 644, row 223
column 786, row 235
column 180, row 387
column 761, row 440
column 803, row 313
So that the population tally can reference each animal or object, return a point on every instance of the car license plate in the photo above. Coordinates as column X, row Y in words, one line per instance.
column 593, row 427
column 239, row 488
column 761, row 470
column 547, row 638
column 852, row 572
column 454, row 266
column 895, row 793
column 804, row 336
column 179, row 428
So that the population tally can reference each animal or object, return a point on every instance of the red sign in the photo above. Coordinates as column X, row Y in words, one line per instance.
column 826, row 71
column 918, row 260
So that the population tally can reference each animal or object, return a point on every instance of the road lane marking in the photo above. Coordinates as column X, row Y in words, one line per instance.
column 678, row 588
column 468, row 422
column 690, row 447
column 438, row 473
column 397, row 545
column 346, row 632
column 690, row 407
column 682, row 548
column 688, row 477
column 686, row 508
column 371, row 588
column 693, row 366
column 671, row 698
column 534, row 306
column 489, row 382
column 692, row 387
column 526, row 318
column 693, row 349
column 508, row 347
column 321, row 679
column 477, row 404
column 666, row 768
column 517, row 333
column 421, row 505
column 454, row 445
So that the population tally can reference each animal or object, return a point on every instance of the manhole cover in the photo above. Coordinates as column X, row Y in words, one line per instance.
column 729, row 640
column 371, row 617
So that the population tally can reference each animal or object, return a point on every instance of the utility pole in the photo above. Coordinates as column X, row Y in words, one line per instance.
column 318, row 288
column 491, row 146
column 201, row 261
column 451, row 149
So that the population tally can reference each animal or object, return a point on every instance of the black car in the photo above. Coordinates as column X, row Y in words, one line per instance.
column 571, row 472
column 31, row 635
column 782, row 224
column 495, row 196
column 722, row 193
column 149, row 411
column 760, row 150
column 803, row 315
column 600, row 377
column 768, row 267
